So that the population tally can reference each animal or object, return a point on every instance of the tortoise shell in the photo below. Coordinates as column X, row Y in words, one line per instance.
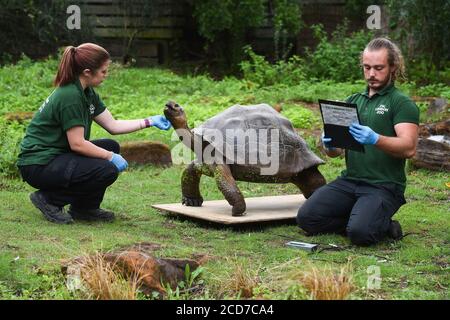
column 248, row 135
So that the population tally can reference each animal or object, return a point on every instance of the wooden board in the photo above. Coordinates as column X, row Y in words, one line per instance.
column 259, row 209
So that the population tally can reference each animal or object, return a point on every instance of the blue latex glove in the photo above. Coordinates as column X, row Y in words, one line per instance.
column 326, row 142
column 160, row 122
column 119, row 162
column 363, row 134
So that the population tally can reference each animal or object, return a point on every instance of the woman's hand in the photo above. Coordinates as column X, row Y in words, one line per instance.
column 160, row 122
column 119, row 162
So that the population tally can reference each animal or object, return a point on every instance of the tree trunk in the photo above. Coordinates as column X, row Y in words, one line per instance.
column 432, row 155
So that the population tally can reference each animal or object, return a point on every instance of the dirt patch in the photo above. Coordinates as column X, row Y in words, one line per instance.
column 146, row 152
column 20, row 116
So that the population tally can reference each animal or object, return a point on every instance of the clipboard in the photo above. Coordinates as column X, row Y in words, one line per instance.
column 337, row 117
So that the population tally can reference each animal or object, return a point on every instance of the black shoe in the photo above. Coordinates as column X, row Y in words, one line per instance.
column 395, row 230
column 91, row 214
column 51, row 213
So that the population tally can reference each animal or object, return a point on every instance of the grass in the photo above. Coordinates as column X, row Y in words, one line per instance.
column 415, row 268
column 95, row 278
column 327, row 284
column 248, row 262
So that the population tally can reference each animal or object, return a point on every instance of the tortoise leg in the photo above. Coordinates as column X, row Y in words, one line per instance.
column 190, row 185
column 308, row 181
column 227, row 185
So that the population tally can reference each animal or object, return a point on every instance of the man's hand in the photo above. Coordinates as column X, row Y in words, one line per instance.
column 119, row 162
column 332, row 152
column 363, row 134
column 160, row 122
column 326, row 142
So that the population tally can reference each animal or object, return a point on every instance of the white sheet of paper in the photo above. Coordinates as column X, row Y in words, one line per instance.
column 337, row 115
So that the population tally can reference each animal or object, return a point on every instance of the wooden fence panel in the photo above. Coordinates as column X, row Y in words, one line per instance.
column 149, row 28
column 153, row 32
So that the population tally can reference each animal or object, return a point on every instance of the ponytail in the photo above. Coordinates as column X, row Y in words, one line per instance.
column 76, row 59
column 66, row 67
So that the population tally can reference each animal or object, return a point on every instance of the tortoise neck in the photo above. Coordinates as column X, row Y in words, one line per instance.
column 185, row 135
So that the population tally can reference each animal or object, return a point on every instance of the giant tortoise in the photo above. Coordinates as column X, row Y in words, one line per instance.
column 253, row 129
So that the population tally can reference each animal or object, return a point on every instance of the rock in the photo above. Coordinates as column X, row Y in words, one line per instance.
column 438, row 128
column 146, row 152
column 152, row 271
column 432, row 155
column 438, row 105
column 440, row 139
column 19, row 116
column 134, row 261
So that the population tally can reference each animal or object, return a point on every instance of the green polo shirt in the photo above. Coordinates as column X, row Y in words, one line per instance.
column 66, row 107
column 381, row 113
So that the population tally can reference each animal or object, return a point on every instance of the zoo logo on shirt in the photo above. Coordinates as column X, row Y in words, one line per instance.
column 91, row 109
column 45, row 102
column 381, row 109
column 43, row 105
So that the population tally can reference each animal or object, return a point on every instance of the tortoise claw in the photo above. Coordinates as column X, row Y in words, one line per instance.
column 192, row 202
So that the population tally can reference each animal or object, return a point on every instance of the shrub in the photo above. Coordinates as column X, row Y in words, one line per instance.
column 337, row 58
column 419, row 71
column 434, row 90
column 258, row 70
column 36, row 28
column 301, row 117
column 422, row 27
column 225, row 25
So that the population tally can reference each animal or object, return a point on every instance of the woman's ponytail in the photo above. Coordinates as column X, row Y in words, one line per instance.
column 76, row 59
column 66, row 72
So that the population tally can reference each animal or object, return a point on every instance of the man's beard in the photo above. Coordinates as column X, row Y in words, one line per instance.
column 377, row 85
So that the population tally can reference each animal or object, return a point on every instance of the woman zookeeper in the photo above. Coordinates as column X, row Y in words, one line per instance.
column 56, row 155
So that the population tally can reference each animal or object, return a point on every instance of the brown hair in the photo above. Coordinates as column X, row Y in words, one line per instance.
column 76, row 59
column 395, row 57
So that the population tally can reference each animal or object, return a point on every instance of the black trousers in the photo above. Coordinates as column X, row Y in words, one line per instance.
column 74, row 179
column 361, row 210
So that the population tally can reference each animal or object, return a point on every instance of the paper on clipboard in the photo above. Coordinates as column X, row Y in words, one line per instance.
column 337, row 117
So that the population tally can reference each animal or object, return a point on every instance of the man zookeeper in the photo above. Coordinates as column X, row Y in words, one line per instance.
column 361, row 202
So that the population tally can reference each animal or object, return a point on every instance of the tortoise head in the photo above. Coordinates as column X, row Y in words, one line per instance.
column 175, row 114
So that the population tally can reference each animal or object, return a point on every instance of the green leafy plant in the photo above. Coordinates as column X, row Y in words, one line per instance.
column 287, row 23
column 192, row 277
column 37, row 28
column 11, row 135
column 337, row 58
column 184, row 287
column 422, row 29
column 300, row 117
column 434, row 90
column 225, row 26
column 263, row 73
